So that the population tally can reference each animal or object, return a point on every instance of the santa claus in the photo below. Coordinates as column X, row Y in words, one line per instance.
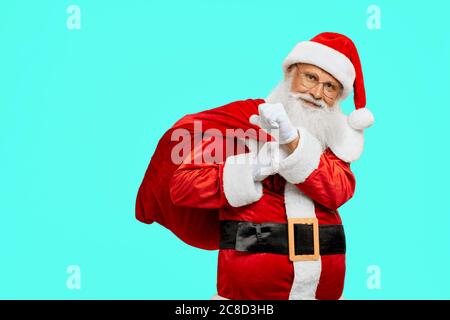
column 270, row 208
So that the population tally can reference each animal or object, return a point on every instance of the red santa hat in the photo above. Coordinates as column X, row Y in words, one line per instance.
column 336, row 54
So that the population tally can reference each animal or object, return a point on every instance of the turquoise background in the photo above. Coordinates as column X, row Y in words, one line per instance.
column 81, row 112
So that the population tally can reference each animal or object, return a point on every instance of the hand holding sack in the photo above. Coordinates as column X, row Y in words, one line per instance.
column 273, row 116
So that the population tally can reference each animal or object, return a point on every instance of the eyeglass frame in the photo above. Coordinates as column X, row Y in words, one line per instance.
column 340, row 88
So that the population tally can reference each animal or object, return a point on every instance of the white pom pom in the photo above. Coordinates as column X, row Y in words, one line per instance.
column 361, row 119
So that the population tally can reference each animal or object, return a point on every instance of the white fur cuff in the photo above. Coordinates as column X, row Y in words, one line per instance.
column 238, row 185
column 303, row 160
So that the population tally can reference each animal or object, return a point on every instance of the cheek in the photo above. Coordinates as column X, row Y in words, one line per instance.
column 328, row 101
column 297, row 87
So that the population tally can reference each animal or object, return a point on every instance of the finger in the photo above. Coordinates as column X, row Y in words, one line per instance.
column 255, row 119
column 270, row 118
column 266, row 121
column 274, row 124
column 260, row 122
column 262, row 107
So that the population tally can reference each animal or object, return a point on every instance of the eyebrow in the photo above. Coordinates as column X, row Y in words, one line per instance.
column 332, row 82
column 312, row 73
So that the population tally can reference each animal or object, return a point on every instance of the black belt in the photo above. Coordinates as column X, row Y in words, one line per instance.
column 296, row 238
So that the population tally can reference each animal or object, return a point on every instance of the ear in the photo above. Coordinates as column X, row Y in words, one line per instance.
column 291, row 67
column 289, row 70
column 341, row 91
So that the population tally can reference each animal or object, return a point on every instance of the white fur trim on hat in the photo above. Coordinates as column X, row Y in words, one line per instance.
column 238, row 185
column 330, row 60
column 361, row 119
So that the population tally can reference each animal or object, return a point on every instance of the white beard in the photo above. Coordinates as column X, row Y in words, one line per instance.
column 323, row 123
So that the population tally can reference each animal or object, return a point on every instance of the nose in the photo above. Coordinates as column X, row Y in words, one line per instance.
column 316, row 92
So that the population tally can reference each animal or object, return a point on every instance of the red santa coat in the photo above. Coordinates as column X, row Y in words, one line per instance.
column 311, row 182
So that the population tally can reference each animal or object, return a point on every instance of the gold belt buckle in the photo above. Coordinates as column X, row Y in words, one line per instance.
column 303, row 257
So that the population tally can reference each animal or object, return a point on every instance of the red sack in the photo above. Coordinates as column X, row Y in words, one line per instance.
column 197, row 227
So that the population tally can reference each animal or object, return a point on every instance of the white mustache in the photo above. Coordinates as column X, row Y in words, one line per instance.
column 322, row 104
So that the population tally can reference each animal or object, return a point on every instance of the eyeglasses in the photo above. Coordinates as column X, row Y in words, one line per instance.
column 310, row 80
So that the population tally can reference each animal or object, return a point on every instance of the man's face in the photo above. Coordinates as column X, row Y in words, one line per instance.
column 319, row 84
